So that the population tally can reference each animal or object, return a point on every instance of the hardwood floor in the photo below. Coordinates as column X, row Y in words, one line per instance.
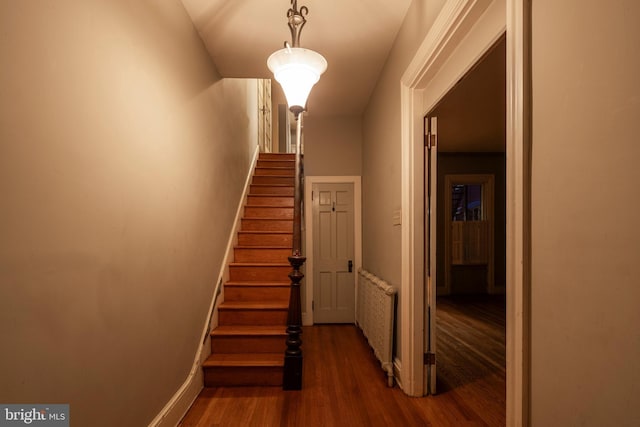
column 471, row 352
column 343, row 385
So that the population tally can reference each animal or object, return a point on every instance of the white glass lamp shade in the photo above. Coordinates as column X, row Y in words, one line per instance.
column 297, row 70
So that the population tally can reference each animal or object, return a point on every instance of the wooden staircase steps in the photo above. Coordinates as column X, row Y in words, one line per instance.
column 243, row 369
column 274, row 171
column 248, row 339
column 266, row 224
column 256, row 272
column 273, row 179
column 253, row 313
column 259, row 237
column 276, row 163
column 273, row 189
column 247, row 347
column 257, row 291
column 272, row 212
column 261, row 253
column 269, row 200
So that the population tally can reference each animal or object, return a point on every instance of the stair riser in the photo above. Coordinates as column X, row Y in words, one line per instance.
column 268, row 189
column 276, row 156
column 256, row 293
column 248, row 344
column 284, row 201
column 276, row 164
column 252, row 224
column 268, row 212
column 242, row 376
column 252, row 317
column 248, row 239
column 271, row 180
column 259, row 274
column 262, row 255
column 274, row 171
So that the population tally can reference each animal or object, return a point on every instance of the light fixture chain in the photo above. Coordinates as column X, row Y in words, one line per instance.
column 296, row 21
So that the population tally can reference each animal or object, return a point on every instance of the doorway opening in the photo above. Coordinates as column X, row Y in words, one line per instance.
column 467, row 231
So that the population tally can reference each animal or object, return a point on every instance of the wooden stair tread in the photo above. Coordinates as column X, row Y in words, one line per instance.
column 268, row 194
column 274, row 185
column 250, row 330
column 253, row 305
column 266, row 161
column 263, row 247
column 266, row 284
column 244, row 359
column 267, row 156
column 259, row 264
column 267, row 218
column 268, row 206
column 264, row 232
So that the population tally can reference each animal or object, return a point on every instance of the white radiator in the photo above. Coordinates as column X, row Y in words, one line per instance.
column 375, row 316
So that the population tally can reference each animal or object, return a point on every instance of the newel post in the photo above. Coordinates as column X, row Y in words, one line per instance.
column 292, row 375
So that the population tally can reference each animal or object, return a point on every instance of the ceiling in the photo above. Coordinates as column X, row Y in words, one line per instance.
column 355, row 36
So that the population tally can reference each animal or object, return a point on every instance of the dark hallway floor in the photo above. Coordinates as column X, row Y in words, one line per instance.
column 344, row 385
column 470, row 341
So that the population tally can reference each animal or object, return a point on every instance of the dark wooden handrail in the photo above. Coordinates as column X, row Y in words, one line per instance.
column 292, row 374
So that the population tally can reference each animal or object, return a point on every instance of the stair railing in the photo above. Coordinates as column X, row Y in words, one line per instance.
column 292, row 374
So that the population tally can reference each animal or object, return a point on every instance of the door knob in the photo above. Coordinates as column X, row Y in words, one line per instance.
column 350, row 266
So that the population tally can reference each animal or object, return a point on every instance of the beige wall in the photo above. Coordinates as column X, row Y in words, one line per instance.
column 381, row 147
column 122, row 159
column 381, row 162
column 332, row 146
column 585, row 290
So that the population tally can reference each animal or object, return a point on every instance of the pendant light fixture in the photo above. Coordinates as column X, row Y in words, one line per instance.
column 295, row 68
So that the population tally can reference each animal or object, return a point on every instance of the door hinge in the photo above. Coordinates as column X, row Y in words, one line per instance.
column 431, row 140
column 313, row 305
column 429, row 359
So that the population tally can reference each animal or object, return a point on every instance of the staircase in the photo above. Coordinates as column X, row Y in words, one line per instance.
column 247, row 348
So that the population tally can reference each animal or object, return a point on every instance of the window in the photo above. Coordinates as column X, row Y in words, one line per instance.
column 466, row 202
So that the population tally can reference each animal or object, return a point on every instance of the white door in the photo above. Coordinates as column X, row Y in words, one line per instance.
column 431, row 181
column 264, row 115
column 333, row 253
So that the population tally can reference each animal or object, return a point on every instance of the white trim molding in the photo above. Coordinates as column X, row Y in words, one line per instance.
column 518, row 209
column 463, row 31
column 420, row 91
column 450, row 27
column 307, row 314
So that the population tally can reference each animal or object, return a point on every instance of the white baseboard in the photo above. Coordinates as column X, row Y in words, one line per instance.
column 180, row 403
column 397, row 372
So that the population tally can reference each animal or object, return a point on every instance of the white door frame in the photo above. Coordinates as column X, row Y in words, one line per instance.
column 309, row 181
column 462, row 32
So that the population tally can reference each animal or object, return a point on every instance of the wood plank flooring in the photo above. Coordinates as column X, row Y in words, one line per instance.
column 343, row 383
column 470, row 349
